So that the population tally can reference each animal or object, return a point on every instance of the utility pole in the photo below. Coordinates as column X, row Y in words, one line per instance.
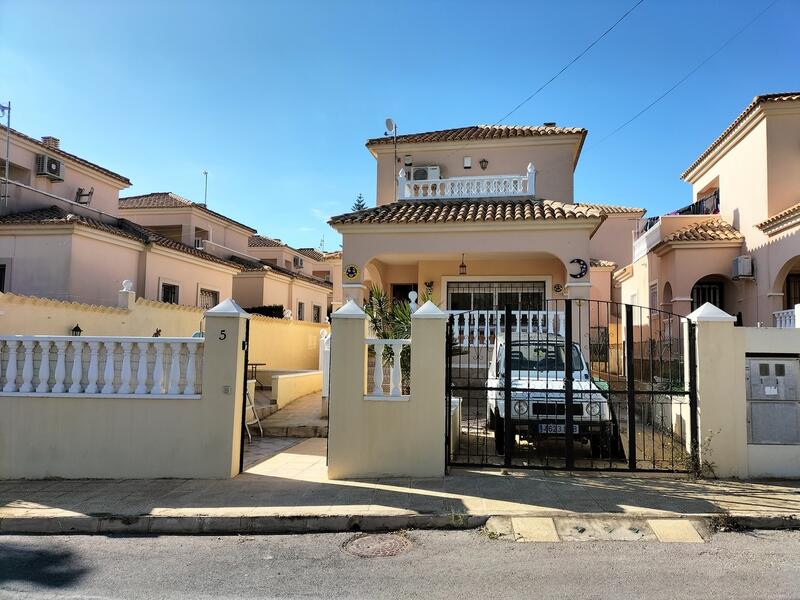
column 6, row 110
column 205, row 190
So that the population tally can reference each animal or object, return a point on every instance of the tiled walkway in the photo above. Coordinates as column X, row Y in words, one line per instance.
column 302, row 418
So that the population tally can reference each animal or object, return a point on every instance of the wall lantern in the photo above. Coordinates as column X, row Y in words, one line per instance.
column 462, row 268
column 76, row 331
column 484, row 163
column 429, row 287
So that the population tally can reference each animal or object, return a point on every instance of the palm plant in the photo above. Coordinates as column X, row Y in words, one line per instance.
column 390, row 319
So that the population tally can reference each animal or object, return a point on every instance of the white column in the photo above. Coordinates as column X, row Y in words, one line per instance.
column 27, row 367
column 77, row 367
column 61, row 367
column 191, row 369
column 158, row 370
column 531, row 179
column 94, row 370
column 377, row 375
column 108, row 370
column 401, row 184
column 125, row 371
column 141, row 369
column 44, row 367
column 11, row 367
column 397, row 372
column 175, row 369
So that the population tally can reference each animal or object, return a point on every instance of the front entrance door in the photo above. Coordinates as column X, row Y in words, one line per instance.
column 577, row 384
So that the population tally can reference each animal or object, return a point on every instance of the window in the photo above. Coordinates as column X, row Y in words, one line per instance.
column 654, row 296
column 208, row 298
column 3, row 271
column 301, row 311
column 707, row 292
column 491, row 295
column 316, row 314
column 792, row 295
column 169, row 293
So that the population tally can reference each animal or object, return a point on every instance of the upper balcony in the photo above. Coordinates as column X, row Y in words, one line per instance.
column 654, row 229
column 424, row 183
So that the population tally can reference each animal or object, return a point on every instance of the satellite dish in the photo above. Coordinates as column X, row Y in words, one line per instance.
column 390, row 125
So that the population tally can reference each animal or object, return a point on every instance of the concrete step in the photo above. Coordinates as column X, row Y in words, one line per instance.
column 299, row 431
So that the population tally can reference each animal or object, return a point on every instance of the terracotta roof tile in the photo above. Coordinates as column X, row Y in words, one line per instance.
column 613, row 209
column 468, row 211
column 262, row 241
column 55, row 215
column 251, row 266
column 59, row 152
column 749, row 109
column 479, row 132
column 774, row 221
column 311, row 253
column 170, row 200
column 711, row 230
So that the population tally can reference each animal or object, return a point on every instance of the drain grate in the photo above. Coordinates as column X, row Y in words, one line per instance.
column 376, row 545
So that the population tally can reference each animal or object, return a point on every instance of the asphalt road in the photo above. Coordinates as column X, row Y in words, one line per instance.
column 463, row 564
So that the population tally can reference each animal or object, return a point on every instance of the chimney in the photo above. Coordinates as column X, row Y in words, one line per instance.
column 51, row 142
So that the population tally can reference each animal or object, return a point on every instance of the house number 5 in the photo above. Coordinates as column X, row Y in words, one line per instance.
column 223, row 334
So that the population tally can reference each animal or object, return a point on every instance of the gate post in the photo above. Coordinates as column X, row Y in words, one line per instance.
column 509, row 434
column 569, row 435
column 629, row 378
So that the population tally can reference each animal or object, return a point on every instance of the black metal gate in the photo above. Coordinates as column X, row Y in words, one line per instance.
column 575, row 384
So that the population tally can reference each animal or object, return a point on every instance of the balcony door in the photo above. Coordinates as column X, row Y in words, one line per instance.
column 491, row 295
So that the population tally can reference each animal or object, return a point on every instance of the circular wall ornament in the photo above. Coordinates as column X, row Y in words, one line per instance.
column 558, row 288
column 583, row 268
column 352, row 271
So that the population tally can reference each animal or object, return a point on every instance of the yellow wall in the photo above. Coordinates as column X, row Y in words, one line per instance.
column 27, row 315
column 288, row 387
column 283, row 344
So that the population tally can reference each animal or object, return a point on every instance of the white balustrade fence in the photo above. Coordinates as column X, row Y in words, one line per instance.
column 103, row 366
column 482, row 186
column 378, row 388
column 787, row 319
column 481, row 327
column 325, row 360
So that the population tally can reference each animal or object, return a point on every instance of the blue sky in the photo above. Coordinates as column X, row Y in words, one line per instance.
column 276, row 99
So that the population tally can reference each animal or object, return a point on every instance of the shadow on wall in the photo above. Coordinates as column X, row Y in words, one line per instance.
column 52, row 567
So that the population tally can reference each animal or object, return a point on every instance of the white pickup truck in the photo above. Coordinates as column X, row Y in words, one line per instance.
column 538, row 405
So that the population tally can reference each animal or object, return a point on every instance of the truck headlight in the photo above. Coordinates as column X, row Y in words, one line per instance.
column 593, row 409
column 521, row 408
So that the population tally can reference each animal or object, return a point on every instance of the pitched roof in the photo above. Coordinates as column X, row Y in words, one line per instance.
column 613, row 209
column 479, row 132
column 55, row 215
column 468, row 211
column 250, row 266
column 312, row 253
column 710, row 230
column 170, row 200
column 262, row 241
column 59, row 152
column 749, row 109
column 781, row 220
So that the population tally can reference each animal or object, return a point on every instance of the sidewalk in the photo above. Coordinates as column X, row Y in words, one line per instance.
column 288, row 492
column 300, row 419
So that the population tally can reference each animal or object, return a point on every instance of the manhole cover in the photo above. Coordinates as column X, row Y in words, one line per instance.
column 372, row 545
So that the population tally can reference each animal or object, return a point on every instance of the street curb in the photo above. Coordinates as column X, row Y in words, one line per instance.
column 109, row 524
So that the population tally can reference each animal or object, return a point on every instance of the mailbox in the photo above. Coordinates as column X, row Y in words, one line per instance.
column 773, row 404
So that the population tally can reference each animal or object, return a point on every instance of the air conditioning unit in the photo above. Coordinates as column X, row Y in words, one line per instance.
column 297, row 262
column 425, row 173
column 47, row 166
column 743, row 267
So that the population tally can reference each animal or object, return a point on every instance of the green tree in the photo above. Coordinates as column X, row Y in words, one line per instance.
column 359, row 204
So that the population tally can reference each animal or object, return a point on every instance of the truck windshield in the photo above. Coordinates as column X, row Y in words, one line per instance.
column 542, row 357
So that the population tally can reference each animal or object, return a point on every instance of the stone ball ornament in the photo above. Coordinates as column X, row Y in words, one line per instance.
column 583, row 268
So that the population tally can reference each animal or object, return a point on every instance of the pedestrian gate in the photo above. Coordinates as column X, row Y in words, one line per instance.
column 576, row 384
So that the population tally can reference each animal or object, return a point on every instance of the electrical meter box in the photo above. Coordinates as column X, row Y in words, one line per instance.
column 773, row 404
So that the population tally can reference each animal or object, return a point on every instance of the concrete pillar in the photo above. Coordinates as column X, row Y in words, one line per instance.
column 357, row 292
column 223, row 384
column 721, row 391
column 348, row 377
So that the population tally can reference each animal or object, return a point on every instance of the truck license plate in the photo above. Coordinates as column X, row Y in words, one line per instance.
column 555, row 428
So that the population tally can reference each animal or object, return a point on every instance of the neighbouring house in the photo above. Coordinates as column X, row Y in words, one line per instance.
column 302, row 290
column 62, row 236
column 481, row 217
column 737, row 245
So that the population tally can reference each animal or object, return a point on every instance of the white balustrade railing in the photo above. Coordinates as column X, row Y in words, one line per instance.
column 325, row 360
column 787, row 319
column 482, row 186
column 375, row 388
column 481, row 327
column 103, row 366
